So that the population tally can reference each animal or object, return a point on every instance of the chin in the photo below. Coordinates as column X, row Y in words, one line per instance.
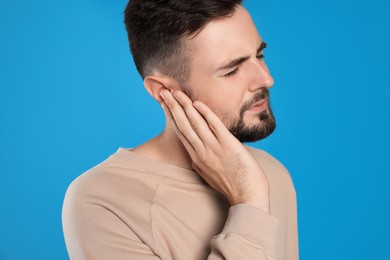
column 248, row 133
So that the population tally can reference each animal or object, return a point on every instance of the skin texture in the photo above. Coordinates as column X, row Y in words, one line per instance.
column 196, row 135
column 218, row 43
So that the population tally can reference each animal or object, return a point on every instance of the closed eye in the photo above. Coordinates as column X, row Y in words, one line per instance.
column 231, row 73
column 239, row 61
column 260, row 50
column 260, row 56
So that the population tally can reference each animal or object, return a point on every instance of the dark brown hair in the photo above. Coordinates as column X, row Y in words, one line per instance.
column 157, row 29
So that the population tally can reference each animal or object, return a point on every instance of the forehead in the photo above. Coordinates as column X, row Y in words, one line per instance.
column 224, row 39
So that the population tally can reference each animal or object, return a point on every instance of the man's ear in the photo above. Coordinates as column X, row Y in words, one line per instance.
column 155, row 83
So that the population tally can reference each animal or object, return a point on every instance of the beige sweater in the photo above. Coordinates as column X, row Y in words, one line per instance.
column 132, row 207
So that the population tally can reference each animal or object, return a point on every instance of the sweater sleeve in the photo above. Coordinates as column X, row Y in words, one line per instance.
column 249, row 233
column 92, row 231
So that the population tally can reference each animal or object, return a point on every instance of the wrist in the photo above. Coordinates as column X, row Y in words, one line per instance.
column 260, row 202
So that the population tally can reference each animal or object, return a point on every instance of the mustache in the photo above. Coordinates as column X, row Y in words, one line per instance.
column 264, row 94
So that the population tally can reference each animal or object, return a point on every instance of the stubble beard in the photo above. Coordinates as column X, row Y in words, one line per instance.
column 260, row 130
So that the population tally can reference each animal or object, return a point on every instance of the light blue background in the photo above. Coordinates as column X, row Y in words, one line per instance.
column 70, row 96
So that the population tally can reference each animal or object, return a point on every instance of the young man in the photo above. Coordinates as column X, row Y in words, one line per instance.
column 195, row 191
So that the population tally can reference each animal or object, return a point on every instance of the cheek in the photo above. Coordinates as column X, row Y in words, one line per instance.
column 225, row 100
column 224, row 96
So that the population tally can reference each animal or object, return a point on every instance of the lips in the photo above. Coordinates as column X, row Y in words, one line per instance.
column 259, row 106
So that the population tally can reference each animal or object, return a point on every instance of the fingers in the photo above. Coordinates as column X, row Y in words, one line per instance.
column 180, row 121
column 198, row 123
column 213, row 121
column 182, row 138
column 195, row 121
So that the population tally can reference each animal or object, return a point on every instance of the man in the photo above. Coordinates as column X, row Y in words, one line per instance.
column 194, row 191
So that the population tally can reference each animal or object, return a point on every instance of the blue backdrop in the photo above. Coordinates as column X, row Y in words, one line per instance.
column 70, row 96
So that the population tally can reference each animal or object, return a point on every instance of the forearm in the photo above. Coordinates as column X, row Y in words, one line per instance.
column 249, row 233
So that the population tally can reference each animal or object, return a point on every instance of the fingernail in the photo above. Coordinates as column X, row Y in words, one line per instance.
column 163, row 94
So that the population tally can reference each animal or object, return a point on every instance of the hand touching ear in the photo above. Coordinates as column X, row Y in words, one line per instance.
column 217, row 156
column 154, row 84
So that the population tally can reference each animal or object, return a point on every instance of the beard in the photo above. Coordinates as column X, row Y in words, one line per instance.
column 244, row 133
column 261, row 129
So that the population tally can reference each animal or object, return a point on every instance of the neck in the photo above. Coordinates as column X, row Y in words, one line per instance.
column 166, row 148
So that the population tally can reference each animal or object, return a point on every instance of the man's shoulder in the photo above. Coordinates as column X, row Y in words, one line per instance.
column 265, row 156
column 268, row 162
column 113, row 176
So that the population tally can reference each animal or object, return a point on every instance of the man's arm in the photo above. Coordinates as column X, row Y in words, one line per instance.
column 92, row 231
column 226, row 165
column 249, row 233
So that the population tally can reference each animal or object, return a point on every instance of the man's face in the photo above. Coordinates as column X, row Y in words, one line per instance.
column 229, row 75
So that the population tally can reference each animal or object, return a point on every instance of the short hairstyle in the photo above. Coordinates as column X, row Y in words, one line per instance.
column 157, row 29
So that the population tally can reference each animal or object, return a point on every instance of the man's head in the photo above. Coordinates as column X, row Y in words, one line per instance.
column 212, row 51
column 157, row 32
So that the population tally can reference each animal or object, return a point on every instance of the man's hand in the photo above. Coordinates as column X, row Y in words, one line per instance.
column 218, row 157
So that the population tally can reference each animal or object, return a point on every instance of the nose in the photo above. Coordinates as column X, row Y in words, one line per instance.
column 261, row 77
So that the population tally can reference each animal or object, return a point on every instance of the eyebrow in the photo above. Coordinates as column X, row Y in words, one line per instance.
column 240, row 60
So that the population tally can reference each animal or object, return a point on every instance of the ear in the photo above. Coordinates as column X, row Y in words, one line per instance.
column 155, row 83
